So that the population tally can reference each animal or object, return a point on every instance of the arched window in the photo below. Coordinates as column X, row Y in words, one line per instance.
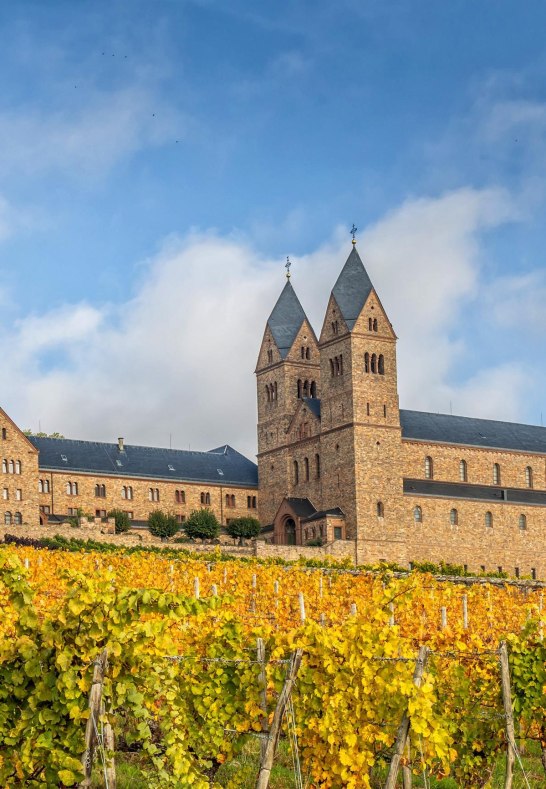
column 429, row 468
column 375, row 324
column 100, row 491
column 380, row 509
column 299, row 389
column 367, row 409
column 306, row 468
column 307, row 353
column 11, row 467
column 313, row 389
column 335, row 327
column 5, row 466
column 267, row 393
column 296, row 473
column 381, row 364
column 374, row 363
column 275, row 391
column 207, row 498
column 17, row 466
column 341, row 364
column 370, row 324
column 366, row 362
column 4, row 433
column 418, row 514
column 129, row 492
column 529, row 477
column 317, row 466
column 522, row 521
column 202, row 498
column 454, row 517
column 270, row 356
column 17, row 519
column 40, row 486
column 496, row 474
column 332, row 368
column 384, row 410
column 489, row 520
column 7, row 518
column 306, row 389
column 68, row 488
column 463, row 471
column 303, row 351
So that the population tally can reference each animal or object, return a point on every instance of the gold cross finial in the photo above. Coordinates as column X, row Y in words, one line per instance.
column 353, row 231
column 287, row 267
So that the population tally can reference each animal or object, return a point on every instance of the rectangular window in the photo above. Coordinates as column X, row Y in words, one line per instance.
column 337, row 533
column 5, row 494
column 100, row 513
column 516, row 573
column 45, row 508
column 533, row 573
column 180, row 518
column 129, row 514
column 72, row 511
column 18, row 495
column 251, row 502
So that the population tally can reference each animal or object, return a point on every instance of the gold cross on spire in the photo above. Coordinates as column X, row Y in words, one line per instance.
column 287, row 267
column 353, row 232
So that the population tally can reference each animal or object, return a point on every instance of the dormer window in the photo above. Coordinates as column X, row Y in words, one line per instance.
column 64, row 458
column 170, row 467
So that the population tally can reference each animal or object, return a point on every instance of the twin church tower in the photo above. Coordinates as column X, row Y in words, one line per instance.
column 340, row 464
column 329, row 435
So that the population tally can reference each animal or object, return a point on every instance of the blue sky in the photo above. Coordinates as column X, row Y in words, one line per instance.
column 158, row 161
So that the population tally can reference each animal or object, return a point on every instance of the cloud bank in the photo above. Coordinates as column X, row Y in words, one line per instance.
column 175, row 361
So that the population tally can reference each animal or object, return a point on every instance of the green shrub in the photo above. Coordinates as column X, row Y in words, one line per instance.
column 201, row 524
column 162, row 524
column 244, row 528
column 123, row 522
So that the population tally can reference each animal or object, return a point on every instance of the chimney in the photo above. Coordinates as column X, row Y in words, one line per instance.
column 120, row 444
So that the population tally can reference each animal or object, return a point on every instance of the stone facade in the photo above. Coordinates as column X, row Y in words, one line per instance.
column 344, row 447
column 31, row 494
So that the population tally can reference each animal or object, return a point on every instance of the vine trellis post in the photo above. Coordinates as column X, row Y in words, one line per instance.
column 95, row 697
column 266, row 764
column 403, row 729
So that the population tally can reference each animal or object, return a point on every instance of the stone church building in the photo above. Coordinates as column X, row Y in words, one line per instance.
column 338, row 459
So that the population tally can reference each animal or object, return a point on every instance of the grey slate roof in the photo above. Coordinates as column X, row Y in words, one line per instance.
column 456, row 490
column 313, row 404
column 302, row 507
column 223, row 465
column 352, row 288
column 334, row 512
column 448, row 429
column 286, row 319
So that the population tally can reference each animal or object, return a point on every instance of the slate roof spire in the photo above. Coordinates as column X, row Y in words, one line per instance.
column 352, row 288
column 286, row 319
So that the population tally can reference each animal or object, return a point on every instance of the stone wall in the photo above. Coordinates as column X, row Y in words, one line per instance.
column 338, row 550
column 18, row 474
column 140, row 505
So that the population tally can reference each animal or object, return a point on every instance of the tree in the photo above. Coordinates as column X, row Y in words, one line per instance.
column 243, row 528
column 123, row 522
column 202, row 524
column 41, row 434
column 162, row 524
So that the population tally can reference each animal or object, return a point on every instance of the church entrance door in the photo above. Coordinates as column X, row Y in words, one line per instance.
column 290, row 531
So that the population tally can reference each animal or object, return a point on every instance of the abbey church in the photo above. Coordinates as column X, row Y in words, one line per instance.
column 339, row 461
column 340, row 465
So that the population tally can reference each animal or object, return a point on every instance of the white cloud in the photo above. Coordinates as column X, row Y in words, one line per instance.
column 89, row 140
column 179, row 356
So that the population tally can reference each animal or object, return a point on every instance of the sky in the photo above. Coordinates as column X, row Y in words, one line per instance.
column 159, row 161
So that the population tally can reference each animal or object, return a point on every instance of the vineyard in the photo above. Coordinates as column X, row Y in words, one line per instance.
column 194, row 659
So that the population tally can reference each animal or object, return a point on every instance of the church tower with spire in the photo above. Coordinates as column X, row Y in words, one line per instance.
column 361, row 441
column 287, row 372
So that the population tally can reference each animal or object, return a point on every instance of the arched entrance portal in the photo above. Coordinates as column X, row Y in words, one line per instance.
column 289, row 532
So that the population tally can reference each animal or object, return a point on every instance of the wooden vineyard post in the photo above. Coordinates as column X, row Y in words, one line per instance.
column 260, row 650
column 406, row 769
column 95, row 695
column 507, row 701
column 403, row 729
column 465, row 612
column 109, row 747
column 266, row 764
